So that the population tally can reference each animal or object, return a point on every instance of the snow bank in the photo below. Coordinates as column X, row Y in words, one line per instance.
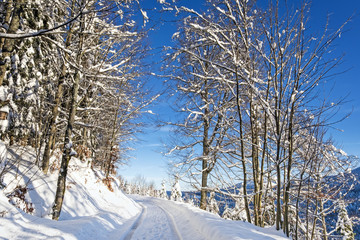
column 90, row 210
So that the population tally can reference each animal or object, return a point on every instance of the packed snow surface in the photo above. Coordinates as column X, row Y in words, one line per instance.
column 92, row 211
column 164, row 219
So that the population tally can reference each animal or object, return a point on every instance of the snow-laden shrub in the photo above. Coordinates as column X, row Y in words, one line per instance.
column 238, row 212
column 108, row 182
column 163, row 193
column 176, row 194
column 213, row 205
column 19, row 198
column 227, row 212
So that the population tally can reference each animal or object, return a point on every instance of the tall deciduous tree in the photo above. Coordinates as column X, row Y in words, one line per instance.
column 271, row 67
column 103, row 69
column 205, row 115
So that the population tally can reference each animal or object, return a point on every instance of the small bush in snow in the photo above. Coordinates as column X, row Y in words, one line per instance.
column 176, row 194
column 163, row 193
column 227, row 212
column 107, row 181
column 18, row 199
column 213, row 205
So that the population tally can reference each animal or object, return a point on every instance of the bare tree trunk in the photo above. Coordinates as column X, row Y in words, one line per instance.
column 278, row 194
column 278, row 163
column 321, row 209
column 255, row 164
column 55, row 111
column 297, row 204
column 246, row 201
column 203, row 194
column 52, row 124
column 315, row 219
column 263, row 155
column 61, row 184
column 112, row 140
column 206, row 151
column 289, row 166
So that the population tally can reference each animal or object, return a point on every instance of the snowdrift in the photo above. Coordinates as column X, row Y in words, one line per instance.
column 90, row 210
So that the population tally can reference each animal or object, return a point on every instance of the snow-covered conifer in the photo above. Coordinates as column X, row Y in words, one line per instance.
column 212, row 205
column 163, row 193
column 227, row 212
column 176, row 194
column 344, row 225
column 238, row 212
column 128, row 188
column 190, row 201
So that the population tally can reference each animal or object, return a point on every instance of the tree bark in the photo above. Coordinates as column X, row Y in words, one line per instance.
column 288, row 173
column 61, row 184
column 255, row 164
column 206, row 151
column 323, row 221
column 246, row 201
column 8, row 7
column 55, row 111
column 112, row 142
column 8, row 44
column 66, row 156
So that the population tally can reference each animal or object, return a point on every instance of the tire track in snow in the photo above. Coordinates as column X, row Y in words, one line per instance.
column 172, row 223
column 187, row 226
column 136, row 224
column 154, row 223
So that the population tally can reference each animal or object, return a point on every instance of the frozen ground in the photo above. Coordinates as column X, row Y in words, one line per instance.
column 91, row 211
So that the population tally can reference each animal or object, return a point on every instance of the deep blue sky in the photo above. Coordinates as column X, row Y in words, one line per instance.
column 149, row 162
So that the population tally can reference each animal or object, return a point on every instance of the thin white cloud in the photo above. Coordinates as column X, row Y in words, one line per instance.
column 153, row 145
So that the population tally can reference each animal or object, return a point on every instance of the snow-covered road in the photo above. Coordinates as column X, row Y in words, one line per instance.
column 162, row 219
column 168, row 220
column 154, row 222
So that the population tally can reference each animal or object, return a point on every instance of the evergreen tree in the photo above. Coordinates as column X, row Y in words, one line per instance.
column 344, row 225
column 163, row 193
column 176, row 194
column 212, row 205
column 227, row 212
column 238, row 212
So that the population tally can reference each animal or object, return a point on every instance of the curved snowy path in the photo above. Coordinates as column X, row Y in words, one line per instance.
column 157, row 221
column 167, row 220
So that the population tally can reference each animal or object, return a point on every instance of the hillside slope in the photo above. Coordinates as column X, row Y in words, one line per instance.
column 92, row 211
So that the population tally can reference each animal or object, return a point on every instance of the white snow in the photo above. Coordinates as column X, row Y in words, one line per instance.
column 3, row 155
column 3, row 93
column 92, row 211
column 188, row 222
column 145, row 16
